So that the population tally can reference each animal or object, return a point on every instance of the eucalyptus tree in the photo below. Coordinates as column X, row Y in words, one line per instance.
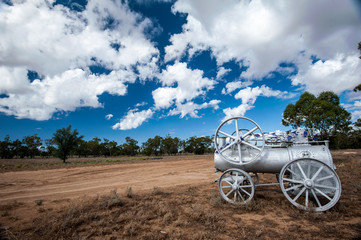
column 66, row 141
column 323, row 114
column 32, row 143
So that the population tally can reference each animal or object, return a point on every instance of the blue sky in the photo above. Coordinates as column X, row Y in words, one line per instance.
column 142, row 68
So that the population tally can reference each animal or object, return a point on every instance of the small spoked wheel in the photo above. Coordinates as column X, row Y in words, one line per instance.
column 236, row 186
column 310, row 184
column 239, row 145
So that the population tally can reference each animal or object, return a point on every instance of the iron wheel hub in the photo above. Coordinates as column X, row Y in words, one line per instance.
column 308, row 183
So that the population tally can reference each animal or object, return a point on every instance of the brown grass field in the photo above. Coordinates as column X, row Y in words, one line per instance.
column 169, row 198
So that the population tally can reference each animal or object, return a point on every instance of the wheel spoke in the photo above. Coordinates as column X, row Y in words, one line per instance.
column 293, row 172
column 245, row 192
column 235, row 196
column 249, row 132
column 323, row 186
column 230, row 145
column 237, row 132
column 316, row 174
column 229, row 192
column 301, row 170
column 240, row 195
column 306, row 199
column 324, row 178
column 292, row 181
column 226, row 134
column 323, row 194
column 315, row 196
column 299, row 194
column 226, row 187
column 252, row 146
column 309, row 169
column 239, row 153
column 292, row 188
column 228, row 182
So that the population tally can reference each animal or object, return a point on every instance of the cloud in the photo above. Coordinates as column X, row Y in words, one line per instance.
column 72, row 89
column 60, row 45
column 249, row 96
column 260, row 35
column 191, row 108
column 337, row 74
column 141, row 104
column 109, row 116
column 237, row 111
column 232, row 86
column 222, row 72
column 133, row 119
column 357, row 104
column 180, row 85
column 354, row 109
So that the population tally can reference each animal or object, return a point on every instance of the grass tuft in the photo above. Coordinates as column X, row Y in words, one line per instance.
column 129, row 192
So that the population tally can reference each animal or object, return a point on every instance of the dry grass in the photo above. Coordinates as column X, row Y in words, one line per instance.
column 199, row 213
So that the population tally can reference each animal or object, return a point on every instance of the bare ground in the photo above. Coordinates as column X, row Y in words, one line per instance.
column 169, row 198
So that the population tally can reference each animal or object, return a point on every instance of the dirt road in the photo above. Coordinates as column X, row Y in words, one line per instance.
column 67, row 183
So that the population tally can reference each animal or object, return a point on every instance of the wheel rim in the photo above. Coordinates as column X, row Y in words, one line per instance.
column 236, row 186
column 310, row 184
column 239, row 147
column 255, row 179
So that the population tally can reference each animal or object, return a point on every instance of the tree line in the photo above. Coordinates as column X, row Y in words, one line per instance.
column 323, row 116
column 66, row 141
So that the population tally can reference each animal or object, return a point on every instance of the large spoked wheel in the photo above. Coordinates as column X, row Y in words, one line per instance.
column 310, row 184
column 236, row 186
column 239, row 145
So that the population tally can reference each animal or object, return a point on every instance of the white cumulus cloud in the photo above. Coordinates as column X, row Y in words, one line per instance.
column 133, row 119
column 191, row 108
column 249, row 96
column 232, row 86
column 336, row 74
column 60, row 45
column 222, row 72
column 181, row 85
column 261, row 35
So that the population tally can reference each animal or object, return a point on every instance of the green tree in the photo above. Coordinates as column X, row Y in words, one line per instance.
column 109, row 148
column 357, row 88
column 198, row 145
column 170, row 145
column 153, row 146
column 19, row 149
column 83, row 149
column 358, row 123
column 297, row 115
column 6, row 148
column 32, row 143
column 324, row 114
column 50, row 149
column 130, row 147
column 66, row 141
column 95, row 147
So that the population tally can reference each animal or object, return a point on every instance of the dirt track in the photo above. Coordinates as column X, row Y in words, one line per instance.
column 78, row 202
column 66, row 183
